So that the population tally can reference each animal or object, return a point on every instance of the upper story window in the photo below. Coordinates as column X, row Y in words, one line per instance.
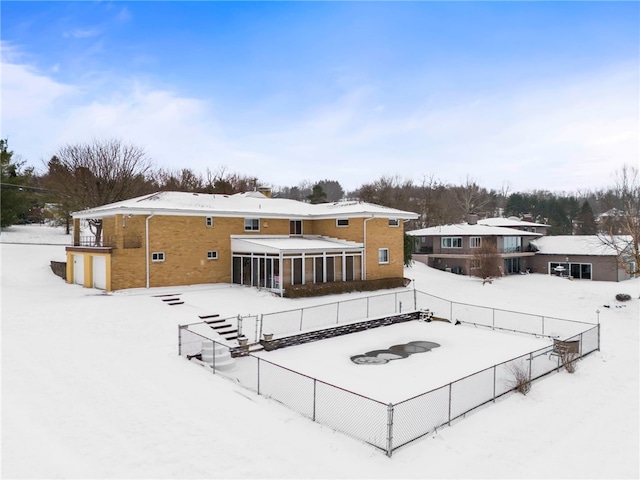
column 383, row 255
column 208, row 221
column 475, row 242
column 342, row 222
column 394, row 222
column 212, row 255
column 451, row 242
column 295, row 227
column 157, row 256
column 251, row 224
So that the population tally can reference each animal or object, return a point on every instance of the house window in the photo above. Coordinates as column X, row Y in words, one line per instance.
column 157, row 256
column 383, row 255
column 212, row 255
column 394, row 222
column 451, row 242
column 475, row 242
column 342, row 222
column 251, row 224
column 295, row 227
column 475, row 263
column 209, row 221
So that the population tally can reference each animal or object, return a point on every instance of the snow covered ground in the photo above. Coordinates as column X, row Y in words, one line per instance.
column 92, row 387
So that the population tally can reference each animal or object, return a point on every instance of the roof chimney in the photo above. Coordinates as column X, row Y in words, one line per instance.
column 266, row 191
column 472, row 219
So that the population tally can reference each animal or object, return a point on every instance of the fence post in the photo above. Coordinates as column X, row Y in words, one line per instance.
column 530, row 363
column 213, row 360
column 580, row 345
column 367, row 308
column 598, row 336
column 179, row 340
column 389, row 429
column 239, row 325
column 315, row 383
column 451, row 312
column 337, row 313
column 542, row 325
column 493, row 319
column 415, row 296
column 400, row 304
column 449, row 422
column 494, row 384
column 261, row 327
column 301, row 316
column 258, row 369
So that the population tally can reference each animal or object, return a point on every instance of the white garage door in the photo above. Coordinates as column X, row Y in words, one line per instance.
column 100, row 272
column 78, row 269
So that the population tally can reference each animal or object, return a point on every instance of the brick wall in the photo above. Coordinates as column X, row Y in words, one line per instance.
column 186, row 240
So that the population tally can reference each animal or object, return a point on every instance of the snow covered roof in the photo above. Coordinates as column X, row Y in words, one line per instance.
column 572, row 245
column 239, row 204
column 286, row 244
column 511, row 222
column 469, row 229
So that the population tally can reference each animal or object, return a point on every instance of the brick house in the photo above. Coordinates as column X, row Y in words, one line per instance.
column 177, row 238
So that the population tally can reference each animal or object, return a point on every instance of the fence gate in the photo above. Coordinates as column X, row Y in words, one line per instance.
column 250, row 326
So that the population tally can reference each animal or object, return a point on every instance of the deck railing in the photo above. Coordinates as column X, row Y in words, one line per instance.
column 128, row 241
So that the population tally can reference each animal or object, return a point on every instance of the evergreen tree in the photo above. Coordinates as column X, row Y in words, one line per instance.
column 317, row 195
column 586, row 220
column 15, row 199
column 409, row 243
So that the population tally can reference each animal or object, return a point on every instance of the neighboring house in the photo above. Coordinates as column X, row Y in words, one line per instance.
column 577, row 256
column 515, row 222
column 176, row 238
column 522, row 247
column 609, row 221
column 454, row 247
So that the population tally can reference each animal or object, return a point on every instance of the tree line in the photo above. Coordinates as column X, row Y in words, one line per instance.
column 98, row 172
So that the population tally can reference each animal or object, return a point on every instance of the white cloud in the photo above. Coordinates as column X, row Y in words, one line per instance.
column 26, row 93
column 82, row 33
column 567, row 134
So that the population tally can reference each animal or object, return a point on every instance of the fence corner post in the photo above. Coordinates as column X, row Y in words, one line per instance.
column 180, row 327
column 389, row 429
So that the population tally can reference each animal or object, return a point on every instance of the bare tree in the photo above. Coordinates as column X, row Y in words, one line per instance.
column 99, row 172
column 184, row 180
column 622, row 233
column 222, row 182
column 433, row 203
column 471, row 198
column 486, row 260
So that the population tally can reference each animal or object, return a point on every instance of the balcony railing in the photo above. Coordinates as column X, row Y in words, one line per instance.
column 128, row 241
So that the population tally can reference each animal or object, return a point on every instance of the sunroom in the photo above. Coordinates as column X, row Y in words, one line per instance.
column 275, row 262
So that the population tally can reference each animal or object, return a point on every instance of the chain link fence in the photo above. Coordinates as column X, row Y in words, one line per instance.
column 387, row 427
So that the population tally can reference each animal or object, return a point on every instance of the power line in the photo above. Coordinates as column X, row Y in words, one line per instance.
column 26, row 187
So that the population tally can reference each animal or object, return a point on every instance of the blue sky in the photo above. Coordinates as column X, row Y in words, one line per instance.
column 529, row 95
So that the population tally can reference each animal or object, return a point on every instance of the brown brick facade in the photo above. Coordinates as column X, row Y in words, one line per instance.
column 185, row 241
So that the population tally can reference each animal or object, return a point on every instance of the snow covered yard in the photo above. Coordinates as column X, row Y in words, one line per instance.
column 92, row 387
column 463, row 350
